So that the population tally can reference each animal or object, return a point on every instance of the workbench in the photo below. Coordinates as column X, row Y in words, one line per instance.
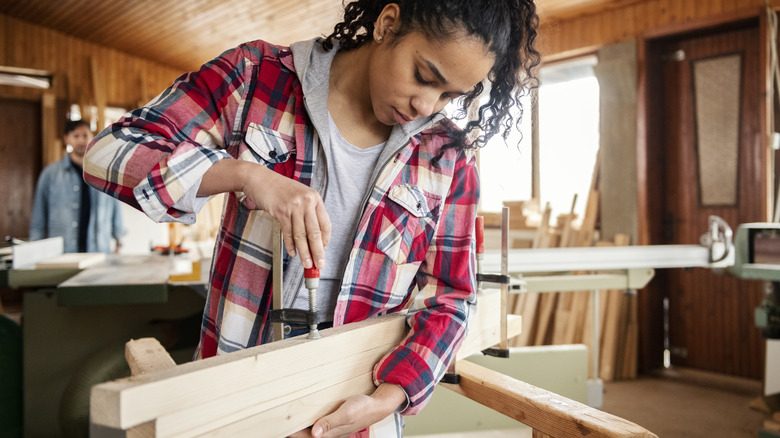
column 75, row 324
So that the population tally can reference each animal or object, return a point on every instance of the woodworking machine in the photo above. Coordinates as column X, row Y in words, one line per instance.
column 611, row 267
column 758, row 257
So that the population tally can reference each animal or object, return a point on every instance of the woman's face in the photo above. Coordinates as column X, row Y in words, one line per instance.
column 416, row 77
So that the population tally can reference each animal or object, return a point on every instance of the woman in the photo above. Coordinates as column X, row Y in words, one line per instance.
column 342, row 141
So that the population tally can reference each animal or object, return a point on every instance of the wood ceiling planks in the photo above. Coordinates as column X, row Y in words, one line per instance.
column 184, row 34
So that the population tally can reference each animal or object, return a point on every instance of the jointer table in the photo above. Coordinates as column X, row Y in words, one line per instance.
column 76, row 322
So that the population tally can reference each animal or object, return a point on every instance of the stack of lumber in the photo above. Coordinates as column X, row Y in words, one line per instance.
column 248, row 393
column 769, row 405
column 556, row 318
column 773, row 424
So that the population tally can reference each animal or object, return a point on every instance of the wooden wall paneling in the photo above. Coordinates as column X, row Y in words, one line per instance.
column 98, row 92
column 671, row 11
column 614, row 18
column 711, row 7
column 20, row 125
column 690, row 9
column 653, row 17
column 3, row 39
column 115, row 91
column 628, row 19
column 729, row 5
column 31, row 46
column 593, row 29
column 50, row 146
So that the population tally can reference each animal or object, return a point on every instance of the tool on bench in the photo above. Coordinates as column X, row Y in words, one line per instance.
column 279, row 315
column 451, row 376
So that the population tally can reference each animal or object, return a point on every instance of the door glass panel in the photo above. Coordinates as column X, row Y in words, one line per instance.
column 717, row 96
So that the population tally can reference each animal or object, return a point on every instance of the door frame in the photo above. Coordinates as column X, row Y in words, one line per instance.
column 650, row 196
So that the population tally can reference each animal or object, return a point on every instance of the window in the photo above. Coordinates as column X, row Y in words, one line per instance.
column 568, row 134
column 568, row 118
column 111, row 114
column 506, row 167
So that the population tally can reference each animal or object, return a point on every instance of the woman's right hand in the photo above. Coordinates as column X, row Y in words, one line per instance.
column 299, row 209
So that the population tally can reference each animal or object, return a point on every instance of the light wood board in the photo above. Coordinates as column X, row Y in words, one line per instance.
column 293, row 382
column 74, row 260
column 546, row 412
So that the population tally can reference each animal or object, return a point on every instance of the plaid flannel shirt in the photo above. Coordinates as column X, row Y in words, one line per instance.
column 415, row 232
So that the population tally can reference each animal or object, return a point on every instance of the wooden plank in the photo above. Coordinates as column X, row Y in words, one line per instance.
column 629, row 370
column 127, row 402
column 146, row 355
column 566, row 313
column 546, row 412
column 546, row 318
column 98, row 92
column 546, row 301
column 52, row 147
column 262, row 381
column 72, row 260
column 26, row 254
column 611, row 337
column 579, row 311
column 528, row 306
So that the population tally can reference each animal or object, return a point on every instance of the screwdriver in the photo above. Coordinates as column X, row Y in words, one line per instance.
column 312, row 280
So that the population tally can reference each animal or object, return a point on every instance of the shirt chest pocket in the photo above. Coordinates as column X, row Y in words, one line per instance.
column 408, row 223
column 265, row 146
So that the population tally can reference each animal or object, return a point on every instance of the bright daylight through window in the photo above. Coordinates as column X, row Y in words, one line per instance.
column 568, row 106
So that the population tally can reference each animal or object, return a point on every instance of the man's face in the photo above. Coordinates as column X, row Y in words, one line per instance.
column 78, row 139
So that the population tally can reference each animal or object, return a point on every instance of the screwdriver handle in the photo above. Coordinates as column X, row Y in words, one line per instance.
column 312, row 277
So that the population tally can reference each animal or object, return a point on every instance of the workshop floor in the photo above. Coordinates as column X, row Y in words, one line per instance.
column 684, row 403
column 674, row 404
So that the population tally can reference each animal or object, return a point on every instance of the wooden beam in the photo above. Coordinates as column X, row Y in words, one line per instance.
column 52, row 147
column 147, row 355
column 289, row 383
column 546, row 412
column 98, row 93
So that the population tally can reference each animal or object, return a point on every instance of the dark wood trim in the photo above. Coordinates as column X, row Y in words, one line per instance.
column 571, row 54
column 767, row 113
column 700, row 24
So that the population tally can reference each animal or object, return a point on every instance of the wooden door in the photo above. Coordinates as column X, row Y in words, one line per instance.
column 709, row 162
column 20, row 163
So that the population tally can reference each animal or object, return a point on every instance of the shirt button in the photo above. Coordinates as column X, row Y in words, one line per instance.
column 75, row 188
column 75, row 224
column 75, row 205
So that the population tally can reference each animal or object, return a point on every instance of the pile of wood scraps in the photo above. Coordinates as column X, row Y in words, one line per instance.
column 556, row 318
column 769, row 405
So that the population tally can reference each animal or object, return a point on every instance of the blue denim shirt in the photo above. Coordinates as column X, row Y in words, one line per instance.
column 57, row 206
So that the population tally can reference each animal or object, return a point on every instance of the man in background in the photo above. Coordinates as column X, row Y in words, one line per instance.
column 66, row 206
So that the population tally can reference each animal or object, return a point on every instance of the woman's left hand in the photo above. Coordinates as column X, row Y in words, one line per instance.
column 356, row 413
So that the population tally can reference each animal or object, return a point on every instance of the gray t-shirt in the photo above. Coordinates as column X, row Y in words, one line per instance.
column 349, row 173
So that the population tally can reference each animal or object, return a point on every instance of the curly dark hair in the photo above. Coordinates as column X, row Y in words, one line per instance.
column 507, row 27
